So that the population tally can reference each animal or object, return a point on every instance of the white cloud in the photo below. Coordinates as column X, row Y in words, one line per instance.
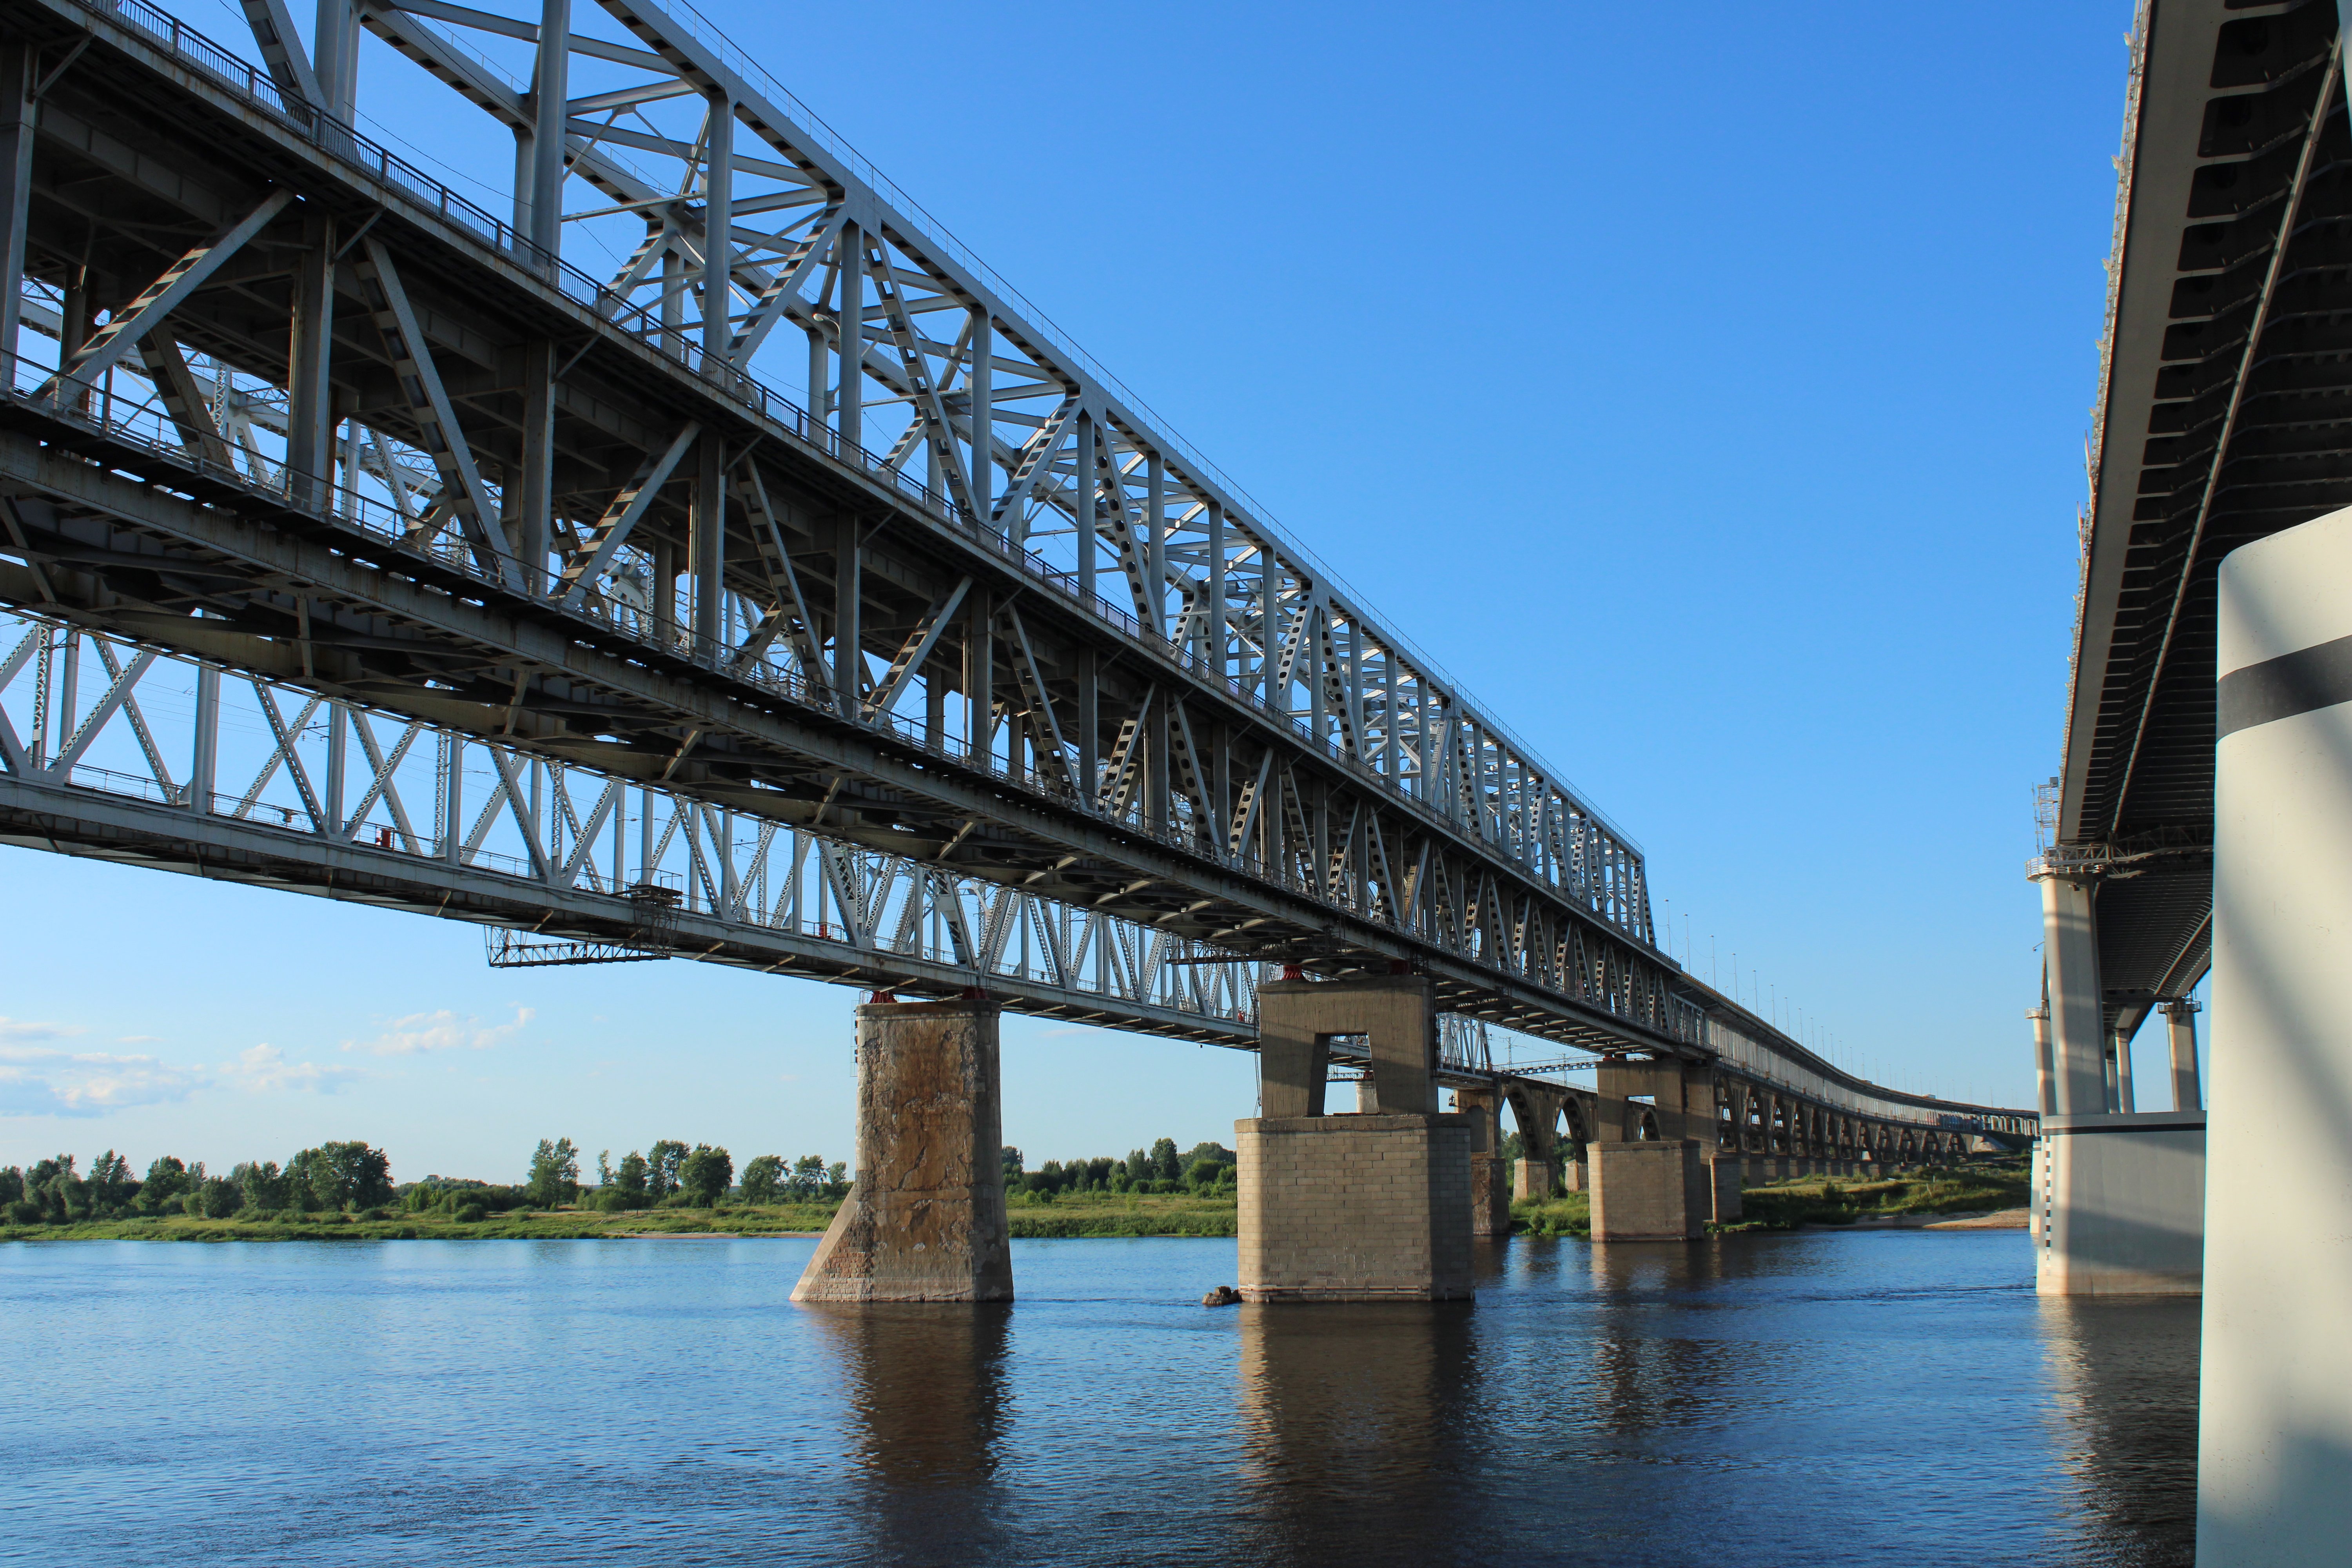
column 51, row 1082
column 28, row 1029
column 421, row 1032
column 264, row 1070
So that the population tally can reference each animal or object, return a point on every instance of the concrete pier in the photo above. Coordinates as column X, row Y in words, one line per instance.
column 925, row 1220
column 2274, row 1428
column 1372, row 1206
column 1655, row 1190
column 1490, row 1177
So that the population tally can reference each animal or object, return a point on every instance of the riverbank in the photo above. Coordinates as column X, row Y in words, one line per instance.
column 1103, row 1215
column 1992, row 1197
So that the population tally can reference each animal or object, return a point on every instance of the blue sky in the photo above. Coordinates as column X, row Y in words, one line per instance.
column 1706, row 391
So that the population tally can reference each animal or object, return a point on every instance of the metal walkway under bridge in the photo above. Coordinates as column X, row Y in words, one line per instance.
column 358, row 542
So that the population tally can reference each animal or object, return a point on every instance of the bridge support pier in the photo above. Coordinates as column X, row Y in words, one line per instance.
column 2274, row 1428
column 2118, row 1196
column 1490, row 1177
column 1366, row 1207
column 1531, row 1179
column 925, row 1220
column 1659, row 1189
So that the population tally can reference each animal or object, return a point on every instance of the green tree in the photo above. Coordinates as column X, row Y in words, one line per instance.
column 166, row 1184
column 808, row 1176
column 836, row 1178
column 1165, row 1167
column 1216, row 1154
column 341, row 1176
column 112, row 1185
column 1011, row 1163
column 762, row 1178
column 704, row 1175
column 554, row 1172
column 215, row 1197
column 662, row 1164
column 629, row 1180
column 261, row 1183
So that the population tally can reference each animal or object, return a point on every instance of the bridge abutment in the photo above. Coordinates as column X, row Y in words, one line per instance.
column 1372, row 1206
column 925, row 1219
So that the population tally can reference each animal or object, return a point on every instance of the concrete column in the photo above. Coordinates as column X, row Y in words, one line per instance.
column 2180, row 1019
column 1655, row 1190
column 2275, row 1422
column 2070, row 957
column 2123, row 1099
column 2046, row 1078
column 925, row 1221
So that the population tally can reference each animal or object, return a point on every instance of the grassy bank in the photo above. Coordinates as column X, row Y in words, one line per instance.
column 1816, row 1200
column 1109, row 1214
column 1830, row 1200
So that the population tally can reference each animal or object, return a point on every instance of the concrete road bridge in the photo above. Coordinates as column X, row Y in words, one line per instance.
column 2198, row 824
column 792, row 594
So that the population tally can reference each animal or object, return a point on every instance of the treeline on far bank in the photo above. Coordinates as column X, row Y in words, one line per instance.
column 354, row 1178
column 340, row 1182
column 1206, row 1170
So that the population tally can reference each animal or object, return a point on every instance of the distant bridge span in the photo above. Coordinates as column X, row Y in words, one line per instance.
column 488, row 588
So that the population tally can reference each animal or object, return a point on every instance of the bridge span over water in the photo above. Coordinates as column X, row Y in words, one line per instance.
column 792, row 594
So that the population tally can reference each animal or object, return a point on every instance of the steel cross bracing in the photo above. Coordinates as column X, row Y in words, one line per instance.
column 117, row 752
column 317, row 419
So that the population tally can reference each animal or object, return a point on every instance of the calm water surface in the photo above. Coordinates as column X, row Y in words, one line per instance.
column 1814, row 1399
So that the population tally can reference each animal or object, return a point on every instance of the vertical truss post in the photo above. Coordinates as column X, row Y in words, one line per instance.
column 550, row 86
column 337, row 46
column 1089, row 725
column 1083, row 504
column 848, row 587
column 979, row 673
column 1155, row 521
column 535, row 496
column 717, row 229
column 1212, row 631
column 1392, row 753
column 204, row 764
column 16, row 117
column 850, row 416
column 980, row 386
column 309, row 392
column 339, row 749
column 706, row 541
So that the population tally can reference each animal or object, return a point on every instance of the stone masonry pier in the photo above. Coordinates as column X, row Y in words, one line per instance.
column 1366, row 1207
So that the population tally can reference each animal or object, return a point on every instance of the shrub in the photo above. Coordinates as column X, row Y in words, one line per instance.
column 472, row 1213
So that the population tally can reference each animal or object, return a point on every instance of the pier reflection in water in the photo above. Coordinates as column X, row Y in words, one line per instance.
column 1817, row 1399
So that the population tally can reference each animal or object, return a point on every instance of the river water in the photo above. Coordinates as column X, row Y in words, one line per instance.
column 1891, row 1397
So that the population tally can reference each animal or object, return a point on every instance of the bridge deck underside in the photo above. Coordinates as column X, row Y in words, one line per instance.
column 2227, row 416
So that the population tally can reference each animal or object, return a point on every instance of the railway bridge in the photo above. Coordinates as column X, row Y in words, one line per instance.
column 792, row 594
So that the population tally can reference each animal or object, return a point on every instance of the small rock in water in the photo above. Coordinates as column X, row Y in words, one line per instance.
column 1222, row 1296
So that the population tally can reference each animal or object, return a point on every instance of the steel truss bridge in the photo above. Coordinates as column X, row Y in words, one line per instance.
column 793, row 595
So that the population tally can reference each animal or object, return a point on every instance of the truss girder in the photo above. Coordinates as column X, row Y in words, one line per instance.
column 1304, row 791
